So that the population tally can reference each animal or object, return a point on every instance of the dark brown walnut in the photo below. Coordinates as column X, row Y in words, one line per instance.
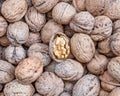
column 97, row 7
column 69, row 70
column 14, row 54
column 6, row 72
column 98, row 64
column 102, row 28
column 41, row 51
column 50, row 28
column 14, row 10
column 59, row 48
column 88, row 85
column 115, row 92
column 103, row 93
column 82, row 22
column 33, row 38
column 43, row 6
column 48, row 84
column 82, row 47
column 116, row 26
column 114, row 67
column 34, row 19
column 63, row 12
column 3, row 26
column 108, row 83
column 4, row 41
column 28, row 70
column 14, row 88
column 65, row 94
column 18, row 32
column 79, row 5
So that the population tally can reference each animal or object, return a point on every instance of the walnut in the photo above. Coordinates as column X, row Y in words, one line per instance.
column 14, row 10
column 68, row 86
column 103, row 93
column 34, row 19
column 116, row 26
column 82, row 47
column 87, row 85
column 29, row 2
column 65, row 94
column 63, row 12
column 115, row 92
column 102, row 28
column 48, row 84
column 4, row 41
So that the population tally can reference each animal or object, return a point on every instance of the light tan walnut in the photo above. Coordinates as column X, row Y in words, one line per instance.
column 4, row 41
column 115, row 92
column 103, row 93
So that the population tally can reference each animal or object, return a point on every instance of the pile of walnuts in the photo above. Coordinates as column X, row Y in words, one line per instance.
column 59, row 47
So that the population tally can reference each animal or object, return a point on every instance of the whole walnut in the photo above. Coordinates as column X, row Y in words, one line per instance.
column 14, row 10
column 65, row 94
column 102, row 28
column 4, row 41
column 103, row 93
column 28, row 70
column 114, row 67
column 82, row 22
column 41, row 51
column 43, row 6
column 115, row 92
column 14, row 88
column 18, row 32
column 50, row 28
column 69, row 69
column 3, row 26
column 14, row 54
column 6, row 72
column 34, row 19
column 63, row 12
column 48, row 84
column 98, row 64
column 88, row 85
column 33, row 38
column 82, row 47
column 116, row 26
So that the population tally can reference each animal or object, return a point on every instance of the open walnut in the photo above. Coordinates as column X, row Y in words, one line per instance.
column 59, row 47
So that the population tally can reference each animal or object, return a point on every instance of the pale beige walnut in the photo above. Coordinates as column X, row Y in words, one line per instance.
column 65, row 94
column 28, row 70
column 43, row 6
column 116, row 26
column 48, row 84
column 97, row 7
column 88, row 85
column 33, row 38
column 114, row 67
column 3, row 26
column 82, row 22
column 108, row 83
column 69, row 70
column 14, row 10
column 18, row 32
column 98, row 64
column 59, row 48
column 82, row 47
column 6, row 72
column 14, row 88
column 41, row 51
column 50, row 28
column 4, row 41
column 36, row 94
column 115, row 92
column 14, row 54
column 103, row 93
column 34, row 19
column 63, row 13
column 102, row 28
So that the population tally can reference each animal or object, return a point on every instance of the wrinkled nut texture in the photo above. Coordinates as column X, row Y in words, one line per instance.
column 50, row 28
column 18, row 33
column 82, row 22
column 29, row 70
column 34, row 19
column 63, row 12
column 69, row 69
column 43, row 6
column 103, row 93
column 115, row 92
column 41, row 51
column 6, row 72
column 14, row 88
column 82, row 47
column 102, row 28
column 98, row 64
column 116, row 26
column 114, row 67
column 14, row 54
column 59, row 47
column 65, row 94
column 4, row 41
column 88, row 85
column 68, row 86
column 3, row 26
column 48, row 84
column 14, row 10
